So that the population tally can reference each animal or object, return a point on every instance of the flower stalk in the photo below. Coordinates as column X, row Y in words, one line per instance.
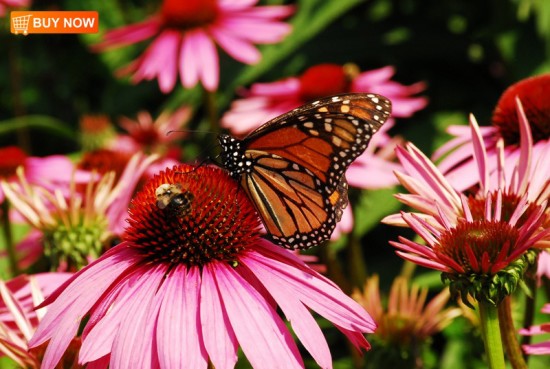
column 490, row 329
column 508, row 333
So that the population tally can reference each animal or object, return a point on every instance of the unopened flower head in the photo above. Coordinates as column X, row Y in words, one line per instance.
column 192, row 282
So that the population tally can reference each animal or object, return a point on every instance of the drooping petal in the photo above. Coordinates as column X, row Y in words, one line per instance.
column 304, row 325
column 263, row 337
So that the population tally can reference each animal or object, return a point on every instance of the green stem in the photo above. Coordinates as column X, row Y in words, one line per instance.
column 358, row 269
column 334, row 270
column 490, row 330
column 407, row 269
column 508, row 333
column 212, row 112
column 8, row 236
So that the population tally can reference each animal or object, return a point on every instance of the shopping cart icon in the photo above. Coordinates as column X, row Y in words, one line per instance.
column 21, row 24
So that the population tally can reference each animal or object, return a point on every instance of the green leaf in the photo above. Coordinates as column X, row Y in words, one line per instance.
column 43, row 122
column 372, row 207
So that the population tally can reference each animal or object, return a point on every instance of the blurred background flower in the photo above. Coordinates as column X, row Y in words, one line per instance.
column 406, row 320
column 186, row 36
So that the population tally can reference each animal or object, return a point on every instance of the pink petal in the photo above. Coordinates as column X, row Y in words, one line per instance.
column 159, row 61
column 262, row 335
column 542, row 348
column 480, row 155
column 238, row 48
column 250, row 30
column 209, row 69
column 304, row 325
column 315, row 293
column 76, row 296
column 129, row 34
column 189, row 66
column 133, row 345
column 219, row 338
column 526, row 148
column 179, row 334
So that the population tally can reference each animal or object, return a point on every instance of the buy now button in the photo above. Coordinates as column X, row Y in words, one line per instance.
column 27, row 22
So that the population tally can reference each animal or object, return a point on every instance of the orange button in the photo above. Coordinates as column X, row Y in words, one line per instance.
column 27, row 22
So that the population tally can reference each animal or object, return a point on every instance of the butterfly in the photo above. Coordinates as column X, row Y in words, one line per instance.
column 292, row 167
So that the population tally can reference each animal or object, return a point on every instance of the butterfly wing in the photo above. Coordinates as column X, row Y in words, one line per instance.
column 324, row 136
column 292, row 167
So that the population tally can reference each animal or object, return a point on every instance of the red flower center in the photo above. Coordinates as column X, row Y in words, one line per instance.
column 10, row 158
column 186, row 14
column 145, row 136
column 95, row 124
column 510, row 202
column 481, row 247
column 323, row 80
column 533, row 93
column 103, row 161
column 192, row 215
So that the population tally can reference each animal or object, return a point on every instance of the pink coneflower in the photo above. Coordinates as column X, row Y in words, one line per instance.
column 267, row 100
column 542, row 348
column 186, row 34
column 191, row 283
column 407, row 321
column 458, row 160
column 19, row 319
column 158, row 135
column 482, row 234
column 81, row 225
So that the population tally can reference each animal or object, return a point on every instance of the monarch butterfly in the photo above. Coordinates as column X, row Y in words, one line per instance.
column 292, row 167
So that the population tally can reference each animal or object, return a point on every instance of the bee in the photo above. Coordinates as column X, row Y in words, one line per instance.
column 173, row 198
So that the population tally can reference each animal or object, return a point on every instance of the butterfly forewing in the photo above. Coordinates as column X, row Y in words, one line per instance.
column 292, row 167
column 324, row 136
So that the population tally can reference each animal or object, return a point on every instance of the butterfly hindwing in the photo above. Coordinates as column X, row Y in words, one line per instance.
column 292, row 167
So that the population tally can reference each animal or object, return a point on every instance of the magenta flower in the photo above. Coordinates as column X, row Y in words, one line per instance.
column 193, row 281
column 482, row 234
column 458, row 161
column 155, row 136
column 267, row 100
column 541, row 348
column 186, row 34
